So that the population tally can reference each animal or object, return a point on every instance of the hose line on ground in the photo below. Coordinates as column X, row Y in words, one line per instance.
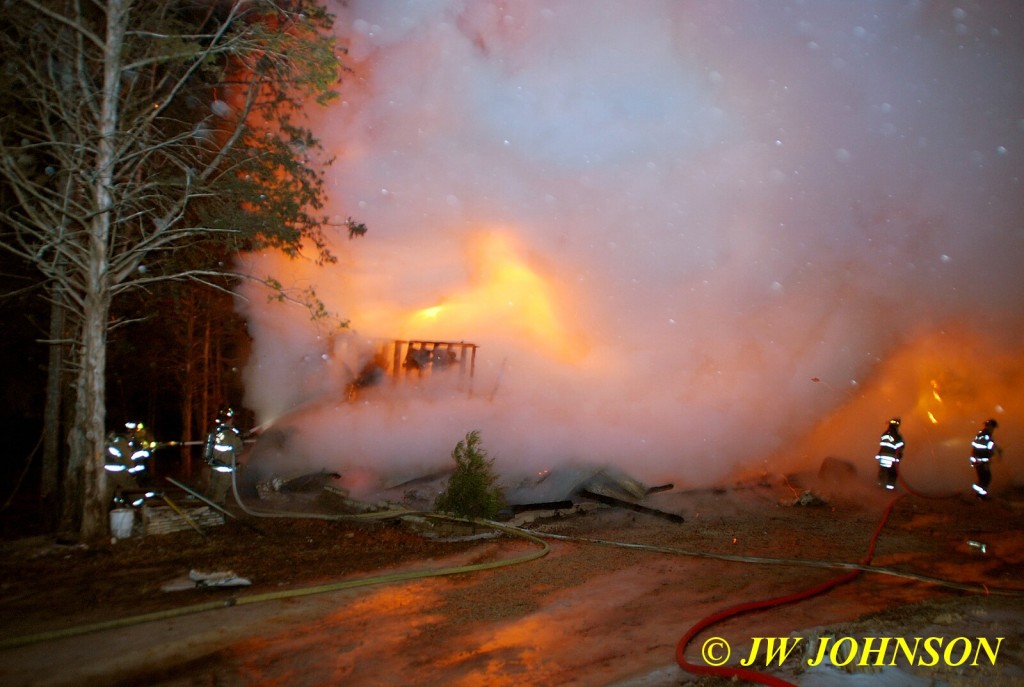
column 797, row 562
column 293, row 593
column 854, row 568
column 752, row 675
column 914, row 492
column 398, row 513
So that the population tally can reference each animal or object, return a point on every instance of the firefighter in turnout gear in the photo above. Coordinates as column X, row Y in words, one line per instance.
column 223, row 445
column 983, row 448
column 126, row 463
column 890, row 452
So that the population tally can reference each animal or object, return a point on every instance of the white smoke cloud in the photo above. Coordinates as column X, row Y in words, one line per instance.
column 743, row 209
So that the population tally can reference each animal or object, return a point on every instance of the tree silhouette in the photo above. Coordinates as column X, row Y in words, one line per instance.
column 139, row 131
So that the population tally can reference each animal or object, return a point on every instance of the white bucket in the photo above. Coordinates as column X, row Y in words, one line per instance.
column 121, row 521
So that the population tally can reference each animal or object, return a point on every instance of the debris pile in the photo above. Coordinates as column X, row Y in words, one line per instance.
column 164, row 519
column 197, row 579
column 809, row 498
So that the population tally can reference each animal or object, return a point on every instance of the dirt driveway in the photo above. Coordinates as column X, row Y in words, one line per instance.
column 605, row 606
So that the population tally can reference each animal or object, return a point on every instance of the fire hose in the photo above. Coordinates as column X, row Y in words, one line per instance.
column 302, row 591
column 911, row 490
column 274, row 596
column 914, row 492
column 903, row 483
column 855, row 569
column 750, row 607
column 284, row 594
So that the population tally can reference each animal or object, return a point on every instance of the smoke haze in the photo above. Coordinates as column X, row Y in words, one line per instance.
column 689, row 238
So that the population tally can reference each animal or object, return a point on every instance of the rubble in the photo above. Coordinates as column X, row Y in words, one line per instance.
column 810, row 499
column 836, row 471
column 621, row 503
column 197, row 579
column 218, row 579
column 568, row 487
column 308, row 483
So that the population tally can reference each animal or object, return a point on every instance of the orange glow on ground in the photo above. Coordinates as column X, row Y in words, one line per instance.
column 517, row 649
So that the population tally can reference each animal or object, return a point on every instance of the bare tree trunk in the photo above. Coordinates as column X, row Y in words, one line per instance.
column 90, row 407
column 53, row 425
column 132, row 176
column 90, row 417
column 219, row 397
column 188, row 385
column 207, row 384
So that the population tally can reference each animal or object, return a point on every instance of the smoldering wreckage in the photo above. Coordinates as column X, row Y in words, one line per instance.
column 542, row 509
column 557, row 491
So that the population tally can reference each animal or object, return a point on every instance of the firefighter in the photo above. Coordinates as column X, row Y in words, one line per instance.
column 127, row 464
column 890, row 452
column 982, row 450
column 116, row 465
column 223, row 445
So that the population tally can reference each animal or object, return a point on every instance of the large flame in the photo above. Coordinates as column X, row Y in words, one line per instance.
column 505, row 293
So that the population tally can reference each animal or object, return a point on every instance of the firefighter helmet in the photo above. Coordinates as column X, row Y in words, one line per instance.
column 225, row 414
column 895, row 421
column 991, row 424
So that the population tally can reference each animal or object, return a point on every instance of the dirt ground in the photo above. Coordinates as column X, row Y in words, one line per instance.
column 606, row 605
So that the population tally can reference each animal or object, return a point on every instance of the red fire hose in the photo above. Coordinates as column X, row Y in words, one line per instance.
column 752, row 675
column 914, row 492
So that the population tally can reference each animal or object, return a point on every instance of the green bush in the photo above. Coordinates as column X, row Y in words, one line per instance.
column 472, row 491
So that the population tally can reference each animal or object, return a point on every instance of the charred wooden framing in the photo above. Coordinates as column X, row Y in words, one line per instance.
column 425, row 357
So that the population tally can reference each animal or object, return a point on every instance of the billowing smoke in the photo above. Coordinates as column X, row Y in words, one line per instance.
column 689, row 238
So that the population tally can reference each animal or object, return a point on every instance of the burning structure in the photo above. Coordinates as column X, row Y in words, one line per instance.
column 692, row 240
column 399, row 358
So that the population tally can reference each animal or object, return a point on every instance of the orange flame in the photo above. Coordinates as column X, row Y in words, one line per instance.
column 507, row 293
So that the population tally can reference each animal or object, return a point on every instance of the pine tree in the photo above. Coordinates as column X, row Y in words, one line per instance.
column 134, row 131
column 472, row 490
